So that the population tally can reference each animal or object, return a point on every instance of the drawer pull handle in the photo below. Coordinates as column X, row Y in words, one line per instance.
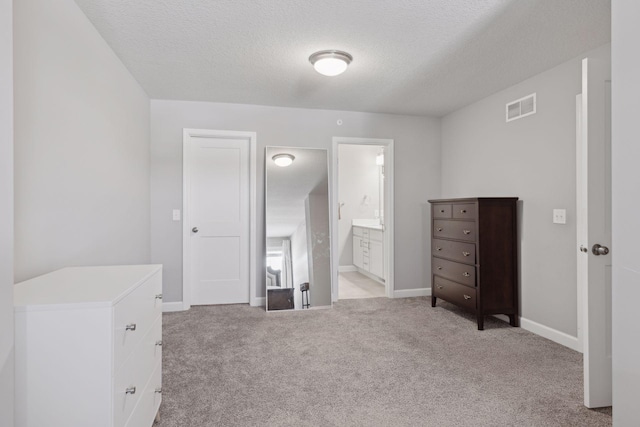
column 159, row 390
column 440, row 287
column 131, row 327
column 439, row 228
column 159, row 296
column 467, row 296
column 438, row 249
column 465, row 274
column 466, row 231
column 441, row 210
column 466, row 253
column 130, row 390
column 439, row 268
column 159, row 343
column 463, row 211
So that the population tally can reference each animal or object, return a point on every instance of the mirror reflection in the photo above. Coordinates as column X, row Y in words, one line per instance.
column 298, row 272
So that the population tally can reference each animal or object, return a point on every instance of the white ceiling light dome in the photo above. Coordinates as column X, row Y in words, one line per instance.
column 283, row 160
column 330, row 62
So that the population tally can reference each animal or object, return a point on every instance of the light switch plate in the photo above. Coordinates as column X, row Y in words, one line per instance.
column 559, row 216
column 176, row 214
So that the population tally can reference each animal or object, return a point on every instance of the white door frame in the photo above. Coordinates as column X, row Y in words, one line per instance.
column 187, row 135
column 388, row 210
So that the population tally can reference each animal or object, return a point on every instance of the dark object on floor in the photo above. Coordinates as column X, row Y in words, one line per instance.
column 304, row 288
column 280, row 299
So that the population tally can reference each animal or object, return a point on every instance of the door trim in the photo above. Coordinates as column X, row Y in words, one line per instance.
column 187, row 134
column 388, row 211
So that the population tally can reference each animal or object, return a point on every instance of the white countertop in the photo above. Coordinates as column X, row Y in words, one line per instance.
column 94, row 286
column 373, row 224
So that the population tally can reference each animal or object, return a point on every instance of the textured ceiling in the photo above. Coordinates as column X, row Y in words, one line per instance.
column 421, row 57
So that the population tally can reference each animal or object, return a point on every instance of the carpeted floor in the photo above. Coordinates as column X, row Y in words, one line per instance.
column 369, row 362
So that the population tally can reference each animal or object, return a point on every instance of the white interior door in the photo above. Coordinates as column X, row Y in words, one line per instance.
column 594, row 230
column 217, row 228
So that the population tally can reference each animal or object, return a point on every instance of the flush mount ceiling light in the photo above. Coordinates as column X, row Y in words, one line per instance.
column 330, row 62
column 283, row 160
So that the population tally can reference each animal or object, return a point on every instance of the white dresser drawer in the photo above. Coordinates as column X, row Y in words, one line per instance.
column 136, row 372
column 136, row 312
column 150, row 400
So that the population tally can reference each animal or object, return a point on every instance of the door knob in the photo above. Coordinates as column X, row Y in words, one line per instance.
column 194, row 229
column 599, row 250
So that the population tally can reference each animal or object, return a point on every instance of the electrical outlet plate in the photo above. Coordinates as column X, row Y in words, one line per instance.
column 559, row 216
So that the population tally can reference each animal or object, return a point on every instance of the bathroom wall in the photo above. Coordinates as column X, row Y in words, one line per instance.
column 358, row 192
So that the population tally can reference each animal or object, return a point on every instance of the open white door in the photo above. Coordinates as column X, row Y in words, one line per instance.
column 594, row 229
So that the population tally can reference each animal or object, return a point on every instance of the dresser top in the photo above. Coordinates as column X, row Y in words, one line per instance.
column 471, row 199
column 80, row 287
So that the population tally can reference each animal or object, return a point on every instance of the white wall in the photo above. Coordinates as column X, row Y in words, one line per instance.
column 626, row 205
column 81, row 145
column 318, row 248
column 417, row 176
column 358, row 178
column 534, row 159
column 6, row 214
column 299, row 256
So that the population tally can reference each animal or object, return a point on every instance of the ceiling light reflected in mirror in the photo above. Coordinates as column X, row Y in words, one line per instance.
column 283, row 160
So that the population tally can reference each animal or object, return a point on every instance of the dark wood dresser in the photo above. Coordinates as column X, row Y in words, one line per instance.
column 474, row 248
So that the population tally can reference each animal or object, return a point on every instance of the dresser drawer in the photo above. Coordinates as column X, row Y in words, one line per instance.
column 458, row 251
column 136, row 372
column 442, row 211
column 150, row 400
column 464, row 211
column 461, row 273
column 137, row 311
column 462, row 230
column 454, row 292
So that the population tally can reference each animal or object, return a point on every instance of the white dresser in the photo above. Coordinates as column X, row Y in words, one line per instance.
column 88, row 347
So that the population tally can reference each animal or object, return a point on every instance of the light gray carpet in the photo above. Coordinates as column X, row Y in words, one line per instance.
column 370, row 362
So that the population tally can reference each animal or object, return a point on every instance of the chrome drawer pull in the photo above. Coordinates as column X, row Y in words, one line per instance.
column 466, row 253
column 438, row 249
column 159, row 296
column 465, row 274
column 130, row 390
column 440, row 287
column 159, row 343
column 439, row 229
column 463, row 211
column 466, row 231
column 131, row 327
column 439, row 268
column 467, row 296
column 159, row 390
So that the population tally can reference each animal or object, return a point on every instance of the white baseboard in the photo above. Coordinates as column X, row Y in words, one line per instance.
column 408, row 293
column 346, row 268
column 172, row 306
column 551, row 334
column 258, row 302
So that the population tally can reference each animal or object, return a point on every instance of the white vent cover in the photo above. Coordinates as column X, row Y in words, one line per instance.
column 521, row 107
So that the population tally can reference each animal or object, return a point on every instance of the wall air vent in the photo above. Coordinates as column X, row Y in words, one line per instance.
column 521, row 107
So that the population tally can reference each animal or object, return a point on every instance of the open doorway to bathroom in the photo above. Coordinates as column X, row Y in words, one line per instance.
column 363, row 233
